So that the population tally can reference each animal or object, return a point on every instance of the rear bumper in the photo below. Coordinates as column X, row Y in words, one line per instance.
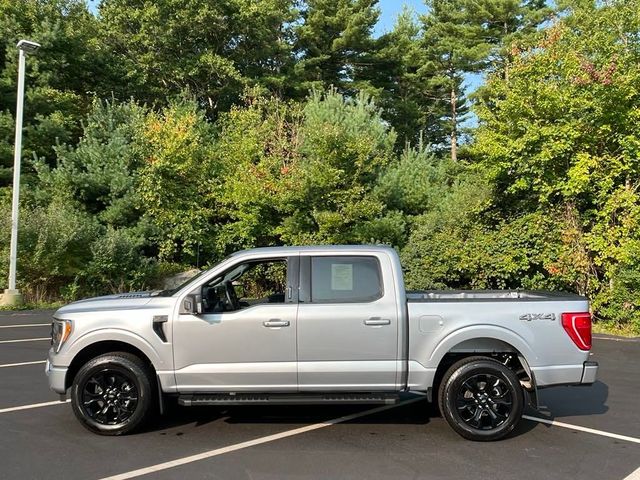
column 581, row 374
column 589, row 373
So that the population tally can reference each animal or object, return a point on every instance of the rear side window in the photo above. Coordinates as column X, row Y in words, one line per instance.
column 345, row 279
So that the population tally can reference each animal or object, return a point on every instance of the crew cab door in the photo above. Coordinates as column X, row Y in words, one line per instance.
column 347, row 324
column 245, row 337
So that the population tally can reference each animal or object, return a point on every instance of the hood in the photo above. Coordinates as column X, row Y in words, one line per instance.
column 121, row 301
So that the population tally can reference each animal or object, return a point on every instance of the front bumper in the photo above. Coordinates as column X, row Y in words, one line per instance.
column 589, row 373
column 57, row 377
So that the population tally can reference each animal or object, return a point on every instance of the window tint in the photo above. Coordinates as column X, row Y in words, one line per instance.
column 245, row 285
column 345, row 279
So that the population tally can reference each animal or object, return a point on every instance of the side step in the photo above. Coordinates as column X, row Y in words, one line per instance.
column 207, row 399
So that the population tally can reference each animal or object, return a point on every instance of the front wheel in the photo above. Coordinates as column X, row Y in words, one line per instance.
column 481, row 399
column 112, row 393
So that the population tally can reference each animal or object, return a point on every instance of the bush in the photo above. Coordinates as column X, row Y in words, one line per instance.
column 117, row 264
column 52, row 247
column 618, row 304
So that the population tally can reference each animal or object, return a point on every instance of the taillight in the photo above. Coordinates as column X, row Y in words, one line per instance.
column 578, row 326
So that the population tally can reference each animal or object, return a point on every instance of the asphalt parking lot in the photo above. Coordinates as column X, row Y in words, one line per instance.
column 595, row 432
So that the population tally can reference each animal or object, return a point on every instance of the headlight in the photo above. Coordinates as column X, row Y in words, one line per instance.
column 60, row 331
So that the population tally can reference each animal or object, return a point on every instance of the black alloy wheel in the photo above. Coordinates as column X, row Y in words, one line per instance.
column 484, row 401
column 109, row 397
column 113, row 393
column 481, row 399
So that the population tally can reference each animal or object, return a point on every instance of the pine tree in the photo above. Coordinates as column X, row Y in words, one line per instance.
column 454, row 46
column 334, row 44
column 395, row 82
column 505, row 24
column 213, row 50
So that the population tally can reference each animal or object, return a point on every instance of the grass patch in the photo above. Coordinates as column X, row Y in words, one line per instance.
column 613, row 328
column 32, row 306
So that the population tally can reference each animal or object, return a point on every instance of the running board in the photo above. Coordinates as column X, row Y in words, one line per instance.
column 208, row 399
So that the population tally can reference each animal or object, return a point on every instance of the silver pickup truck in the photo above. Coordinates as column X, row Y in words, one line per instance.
column 309, row 325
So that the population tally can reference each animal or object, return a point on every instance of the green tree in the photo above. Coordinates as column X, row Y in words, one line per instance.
column 406, row 99
column 462, row 37
column 97, row 182
column 101, row 172
column 258, row 149
column 407, row 187
column 454, row 46
column 333, row 44
column 444, row 199
column 345, row 145
column 507, row 26
column 213, row 50
column 178, row 187
column 70, row 67
column 302, row 174
column 562, row 135
column 416, row 182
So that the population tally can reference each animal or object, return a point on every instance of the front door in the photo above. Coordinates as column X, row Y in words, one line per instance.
column 245, row 339
column 347, row 325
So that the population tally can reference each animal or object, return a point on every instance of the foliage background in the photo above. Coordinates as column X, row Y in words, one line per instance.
column 164, row 135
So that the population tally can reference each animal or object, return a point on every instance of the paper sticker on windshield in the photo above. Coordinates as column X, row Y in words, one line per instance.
column 341, row 276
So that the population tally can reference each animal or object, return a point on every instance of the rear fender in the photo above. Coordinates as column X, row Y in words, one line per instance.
column 482, row 338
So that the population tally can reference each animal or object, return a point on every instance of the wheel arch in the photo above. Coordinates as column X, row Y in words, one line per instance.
column 486, row 340
column 102, row 347
column 482, row 339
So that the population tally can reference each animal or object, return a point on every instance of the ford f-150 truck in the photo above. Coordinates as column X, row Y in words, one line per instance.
column 330, row 324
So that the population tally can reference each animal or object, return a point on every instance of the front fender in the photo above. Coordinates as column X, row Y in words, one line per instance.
column 69, row 352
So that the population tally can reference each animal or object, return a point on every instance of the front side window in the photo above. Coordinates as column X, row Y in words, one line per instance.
column 247, row 284
column 345, row 279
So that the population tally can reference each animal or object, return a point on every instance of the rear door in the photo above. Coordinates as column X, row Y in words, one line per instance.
column 347, row 324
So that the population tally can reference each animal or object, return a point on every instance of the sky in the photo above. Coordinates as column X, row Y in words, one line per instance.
column 389, row 10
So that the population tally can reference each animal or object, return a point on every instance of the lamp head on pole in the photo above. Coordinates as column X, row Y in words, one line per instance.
column 28, row 46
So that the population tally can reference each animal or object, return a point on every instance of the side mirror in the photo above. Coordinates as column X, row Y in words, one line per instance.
column 192, row 304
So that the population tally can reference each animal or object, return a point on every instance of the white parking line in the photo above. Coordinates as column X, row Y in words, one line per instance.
column 35, row 405
column 635, row 475
column 27, row 325
column 556, row 423
column 26, row 340
column 7, row 365
column 252, row 443
column 618, row 339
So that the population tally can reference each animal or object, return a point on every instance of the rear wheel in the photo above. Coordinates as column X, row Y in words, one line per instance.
column 112, row 394
column 481, row 399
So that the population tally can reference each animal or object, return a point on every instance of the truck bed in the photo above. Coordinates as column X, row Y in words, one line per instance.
column 418, row 296
column 471, row 321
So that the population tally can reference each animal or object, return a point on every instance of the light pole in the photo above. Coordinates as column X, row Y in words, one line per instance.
column 12, row 296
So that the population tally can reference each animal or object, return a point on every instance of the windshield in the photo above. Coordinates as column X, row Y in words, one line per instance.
column 170, row 291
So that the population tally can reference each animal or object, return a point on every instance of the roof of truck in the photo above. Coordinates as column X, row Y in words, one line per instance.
column 314, row 248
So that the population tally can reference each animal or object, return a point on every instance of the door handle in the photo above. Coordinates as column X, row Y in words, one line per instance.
column 375, row 321
column 276, row 323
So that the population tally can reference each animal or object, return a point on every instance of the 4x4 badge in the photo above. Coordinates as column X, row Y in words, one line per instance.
column 529, row 317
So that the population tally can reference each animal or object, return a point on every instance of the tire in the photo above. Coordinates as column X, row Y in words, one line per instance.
column 112, row 394
column 481, row 399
